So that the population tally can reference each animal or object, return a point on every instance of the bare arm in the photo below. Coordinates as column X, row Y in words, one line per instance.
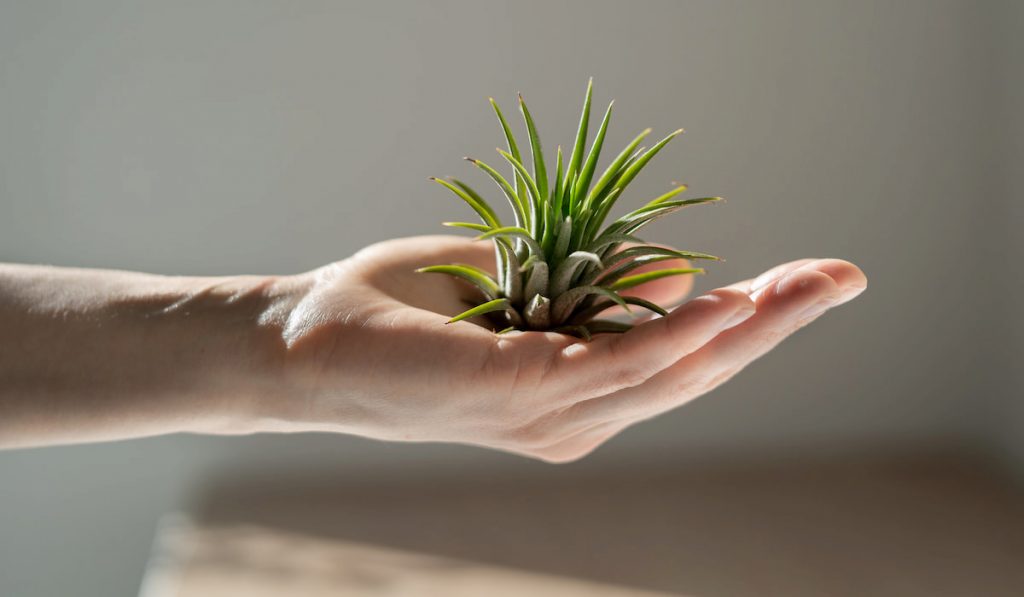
column 89, row 355
column 361, row 347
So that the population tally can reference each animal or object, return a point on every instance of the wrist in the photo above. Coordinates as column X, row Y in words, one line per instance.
column 233, row 353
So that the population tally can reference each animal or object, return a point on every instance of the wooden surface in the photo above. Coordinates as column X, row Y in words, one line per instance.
column 932, row 527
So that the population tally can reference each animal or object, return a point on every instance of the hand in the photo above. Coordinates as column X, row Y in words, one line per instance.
column 368, row 353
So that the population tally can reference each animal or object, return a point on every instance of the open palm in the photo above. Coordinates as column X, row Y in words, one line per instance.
column 373, row 355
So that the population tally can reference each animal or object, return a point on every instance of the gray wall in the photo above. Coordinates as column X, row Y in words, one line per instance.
column 222, row 137
column 1007, row 413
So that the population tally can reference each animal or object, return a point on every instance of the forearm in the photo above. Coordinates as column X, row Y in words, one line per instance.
column 90, row 355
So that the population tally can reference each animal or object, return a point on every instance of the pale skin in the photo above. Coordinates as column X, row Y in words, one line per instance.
column 361, row 347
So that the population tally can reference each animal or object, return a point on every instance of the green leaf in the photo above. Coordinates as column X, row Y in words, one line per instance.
column 562, row 242
column 639, row 164
column 598, row 218
column 539, row 172
column 472, row 274
column 469, row 225
column 561, row 279
column 606, row 239
column 509, row 137
column 567, row 301
column 632, row 281
column 639, row 218
column 556, row 196
column 510, row 140
column 598, row 308
column 633, row 252
column 667, row 196
column 484, row 210
column 515, row 232
column 476, row 196
column 537, row 280
column 500, row 304
column 581, row 139
column 610, row 275
column 538, row 312
column 520, row 211
column 531, row 186
column 585, row 175
column 511, row 281
column 612, row 171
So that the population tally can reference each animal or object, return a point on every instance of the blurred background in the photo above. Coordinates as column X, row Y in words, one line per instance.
column 873, row 453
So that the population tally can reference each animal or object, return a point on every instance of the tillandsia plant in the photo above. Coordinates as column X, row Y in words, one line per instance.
column 559, row 266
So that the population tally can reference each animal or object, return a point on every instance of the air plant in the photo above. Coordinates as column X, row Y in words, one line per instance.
column 558, row 266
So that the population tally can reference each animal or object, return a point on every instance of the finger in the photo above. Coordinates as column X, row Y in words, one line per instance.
column 611, row 362
column 390, row 267
column 408, row 254
column 752, row 284
column 781, row 307
column 847, row 275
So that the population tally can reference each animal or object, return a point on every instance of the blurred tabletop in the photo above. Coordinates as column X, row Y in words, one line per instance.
column 905, row 528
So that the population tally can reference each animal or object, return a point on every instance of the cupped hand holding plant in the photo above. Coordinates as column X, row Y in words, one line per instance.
column 370, row 353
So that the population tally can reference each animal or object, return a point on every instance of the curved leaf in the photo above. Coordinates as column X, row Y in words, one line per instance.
column 632, row 281
column 606, row 240
column 500, row 304
column 511, row 280
column 567, row 301
column 598, row 308
column 610, row 275
column 469, row 225
column 644, row 250
column 471, row 274
column 562, row 277
column 639, row 218
column 536, row 280
column 520, row 211
column 484, row 210
column 515, row 232
column 510, row 140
